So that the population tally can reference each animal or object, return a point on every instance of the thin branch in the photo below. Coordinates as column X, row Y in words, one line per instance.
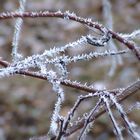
column 108, row 110
column 67, row 83
column 71, row 113
column 134, row 134
column 60, row 129
column 129, row 91
column 85, row 57
column 72, row 16
column 87, row 119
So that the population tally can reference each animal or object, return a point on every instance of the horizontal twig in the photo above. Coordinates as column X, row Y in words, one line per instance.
column 67, row 83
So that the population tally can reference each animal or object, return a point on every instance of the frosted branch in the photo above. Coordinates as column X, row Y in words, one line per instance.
column 56, row 113
column 73, row 17
column 134, row 35
column 87, row 119
column 116, row 126
column 133, row 133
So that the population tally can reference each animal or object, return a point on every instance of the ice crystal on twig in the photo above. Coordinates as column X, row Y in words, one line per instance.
column 134, row 35
column 117, row 129
column 72, row 111
column 87, row 120
column 52, row 77
column 85, row 57
column 133, row 107
column 107, row 97
column 55, row 51
column 99, row 42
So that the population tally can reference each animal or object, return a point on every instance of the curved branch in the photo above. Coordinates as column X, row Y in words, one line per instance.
column 72, row 16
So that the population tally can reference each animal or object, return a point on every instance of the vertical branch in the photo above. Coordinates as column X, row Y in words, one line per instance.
column 60, row 98
column 60, row 129
column 55, row 119
column 18, row 25
column 129, row 91
column 117, row 129
column 108, row 18
column 107, row 15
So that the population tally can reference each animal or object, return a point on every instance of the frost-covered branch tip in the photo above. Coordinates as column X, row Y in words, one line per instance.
column 134, row 35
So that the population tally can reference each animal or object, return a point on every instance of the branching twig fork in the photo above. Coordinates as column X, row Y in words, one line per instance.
column 129, row 91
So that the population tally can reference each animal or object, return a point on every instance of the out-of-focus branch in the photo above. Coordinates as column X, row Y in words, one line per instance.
column 18, row 26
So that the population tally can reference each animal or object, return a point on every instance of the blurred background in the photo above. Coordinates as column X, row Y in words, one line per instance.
column 26, row 103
